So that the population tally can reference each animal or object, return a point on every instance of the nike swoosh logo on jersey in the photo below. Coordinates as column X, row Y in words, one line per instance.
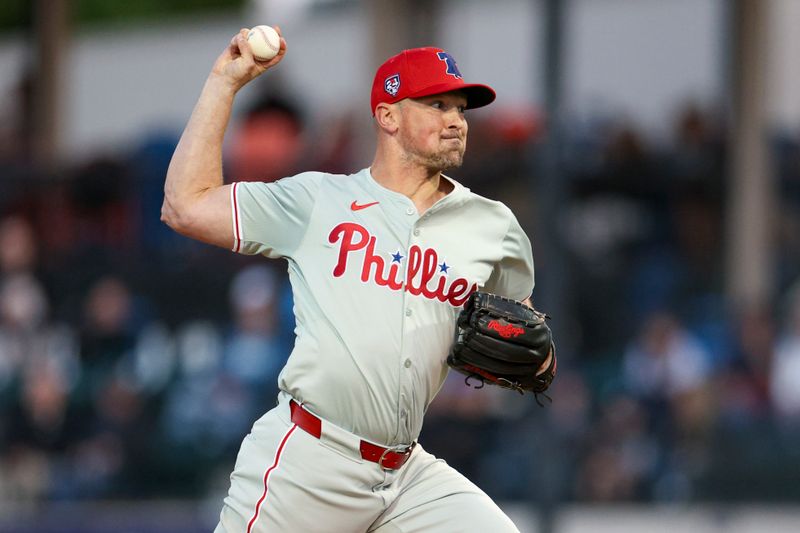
column 356, row 207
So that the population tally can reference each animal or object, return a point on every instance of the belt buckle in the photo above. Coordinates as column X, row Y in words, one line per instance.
column 406, row 452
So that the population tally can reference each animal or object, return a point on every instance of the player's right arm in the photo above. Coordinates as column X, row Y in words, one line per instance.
column 196, row 203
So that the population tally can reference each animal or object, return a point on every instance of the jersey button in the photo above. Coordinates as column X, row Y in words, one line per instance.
column 407, row 364
column 410, row 211
column 416, row 232
column 409, row 312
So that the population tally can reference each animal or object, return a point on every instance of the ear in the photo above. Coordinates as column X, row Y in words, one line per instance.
column 387, row 116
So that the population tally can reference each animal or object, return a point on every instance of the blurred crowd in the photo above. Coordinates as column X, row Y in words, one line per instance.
column 133, row 361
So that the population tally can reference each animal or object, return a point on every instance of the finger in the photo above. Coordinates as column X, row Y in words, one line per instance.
column 242, row 32
column 244, row 46
column 282, row 49
column 234, row 46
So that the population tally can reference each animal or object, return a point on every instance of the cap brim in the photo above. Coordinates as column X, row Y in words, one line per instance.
column 478, row 95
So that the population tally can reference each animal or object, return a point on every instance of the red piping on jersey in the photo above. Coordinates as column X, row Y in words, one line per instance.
column 266, row 477
column 237, row 233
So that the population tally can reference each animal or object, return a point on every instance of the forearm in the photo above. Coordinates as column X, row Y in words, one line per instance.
column 196, row 203
column 196, row 165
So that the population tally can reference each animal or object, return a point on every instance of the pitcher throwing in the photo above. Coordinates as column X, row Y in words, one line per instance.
column 381, row 263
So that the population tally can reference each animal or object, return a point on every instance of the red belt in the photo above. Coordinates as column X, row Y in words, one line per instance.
column 387, row 458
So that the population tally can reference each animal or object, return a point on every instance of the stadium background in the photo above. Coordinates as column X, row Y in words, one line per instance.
column 650, row 149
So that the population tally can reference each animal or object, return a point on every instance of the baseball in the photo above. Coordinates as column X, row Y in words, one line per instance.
column 264, row 41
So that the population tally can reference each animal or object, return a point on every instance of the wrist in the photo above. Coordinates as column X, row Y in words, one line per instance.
column 221, row 86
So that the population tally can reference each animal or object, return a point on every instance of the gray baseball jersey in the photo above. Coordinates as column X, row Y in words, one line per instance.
column 377, row 288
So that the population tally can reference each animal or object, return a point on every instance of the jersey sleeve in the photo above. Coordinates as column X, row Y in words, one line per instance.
column 271, row 218
column 513, row 275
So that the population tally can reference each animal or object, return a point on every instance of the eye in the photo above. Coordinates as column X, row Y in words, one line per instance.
column 442, row 105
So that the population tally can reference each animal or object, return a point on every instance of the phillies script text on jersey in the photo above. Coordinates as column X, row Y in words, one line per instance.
column 506, row 331
column 421, row 270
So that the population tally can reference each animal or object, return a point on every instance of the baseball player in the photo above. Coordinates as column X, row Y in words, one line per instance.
column 380, row 262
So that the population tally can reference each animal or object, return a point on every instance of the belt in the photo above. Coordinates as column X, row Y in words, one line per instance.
column 387, row 458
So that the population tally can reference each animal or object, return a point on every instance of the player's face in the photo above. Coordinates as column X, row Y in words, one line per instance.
column 433, row 130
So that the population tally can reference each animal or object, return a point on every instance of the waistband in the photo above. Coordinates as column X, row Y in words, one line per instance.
column 387, row 458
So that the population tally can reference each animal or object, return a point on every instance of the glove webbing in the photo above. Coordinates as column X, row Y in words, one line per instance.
column 482, row 375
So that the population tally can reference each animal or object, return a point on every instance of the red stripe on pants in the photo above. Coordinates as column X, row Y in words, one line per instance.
column 266, row 477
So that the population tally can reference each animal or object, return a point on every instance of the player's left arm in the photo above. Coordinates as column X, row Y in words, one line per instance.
column 514, row 274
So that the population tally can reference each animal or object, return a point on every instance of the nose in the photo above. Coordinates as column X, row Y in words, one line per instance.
column 455, row 119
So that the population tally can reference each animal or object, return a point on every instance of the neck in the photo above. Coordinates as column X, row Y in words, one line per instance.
column 422, row 185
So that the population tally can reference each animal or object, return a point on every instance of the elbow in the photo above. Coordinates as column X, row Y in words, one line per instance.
column 171, row 216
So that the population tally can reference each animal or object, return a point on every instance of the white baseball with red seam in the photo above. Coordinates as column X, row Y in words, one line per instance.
column 264, row 42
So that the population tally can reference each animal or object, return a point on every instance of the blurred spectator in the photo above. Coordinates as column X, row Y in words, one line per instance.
column 459, row 422
column 110, row 459
column 88, row 213
column 38, row 362
column 107, row 327
column 107, row 334
column 622, row 457
column 334, row 145
column 18, row 251
column 188, row 409
column 664, row 360
column 23, row 304
column 206, row 412
column 697, row 153
column 225, row 381
column 16, row 126
column 254, row 353
column 744, row 395
column 670, row 371
column 268, row 142
column 26, row 337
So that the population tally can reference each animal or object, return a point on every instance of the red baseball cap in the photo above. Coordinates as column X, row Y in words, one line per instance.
column 422, row 72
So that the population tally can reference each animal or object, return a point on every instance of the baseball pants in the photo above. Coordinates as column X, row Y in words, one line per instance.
column 287, row 480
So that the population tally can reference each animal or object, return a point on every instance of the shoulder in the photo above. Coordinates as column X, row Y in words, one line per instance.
column 323, row 179
column 466, row 195
column 306, row 178
column 487, row 206
column 495, row 206
column 311, row 180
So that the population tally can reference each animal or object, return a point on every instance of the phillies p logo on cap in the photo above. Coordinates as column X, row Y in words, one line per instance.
column 452, row 68
column 392, row 84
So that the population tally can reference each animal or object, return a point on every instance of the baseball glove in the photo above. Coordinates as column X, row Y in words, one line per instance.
column 503, row 342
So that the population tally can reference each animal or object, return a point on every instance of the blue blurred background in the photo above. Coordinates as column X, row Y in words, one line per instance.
column 650, row 149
